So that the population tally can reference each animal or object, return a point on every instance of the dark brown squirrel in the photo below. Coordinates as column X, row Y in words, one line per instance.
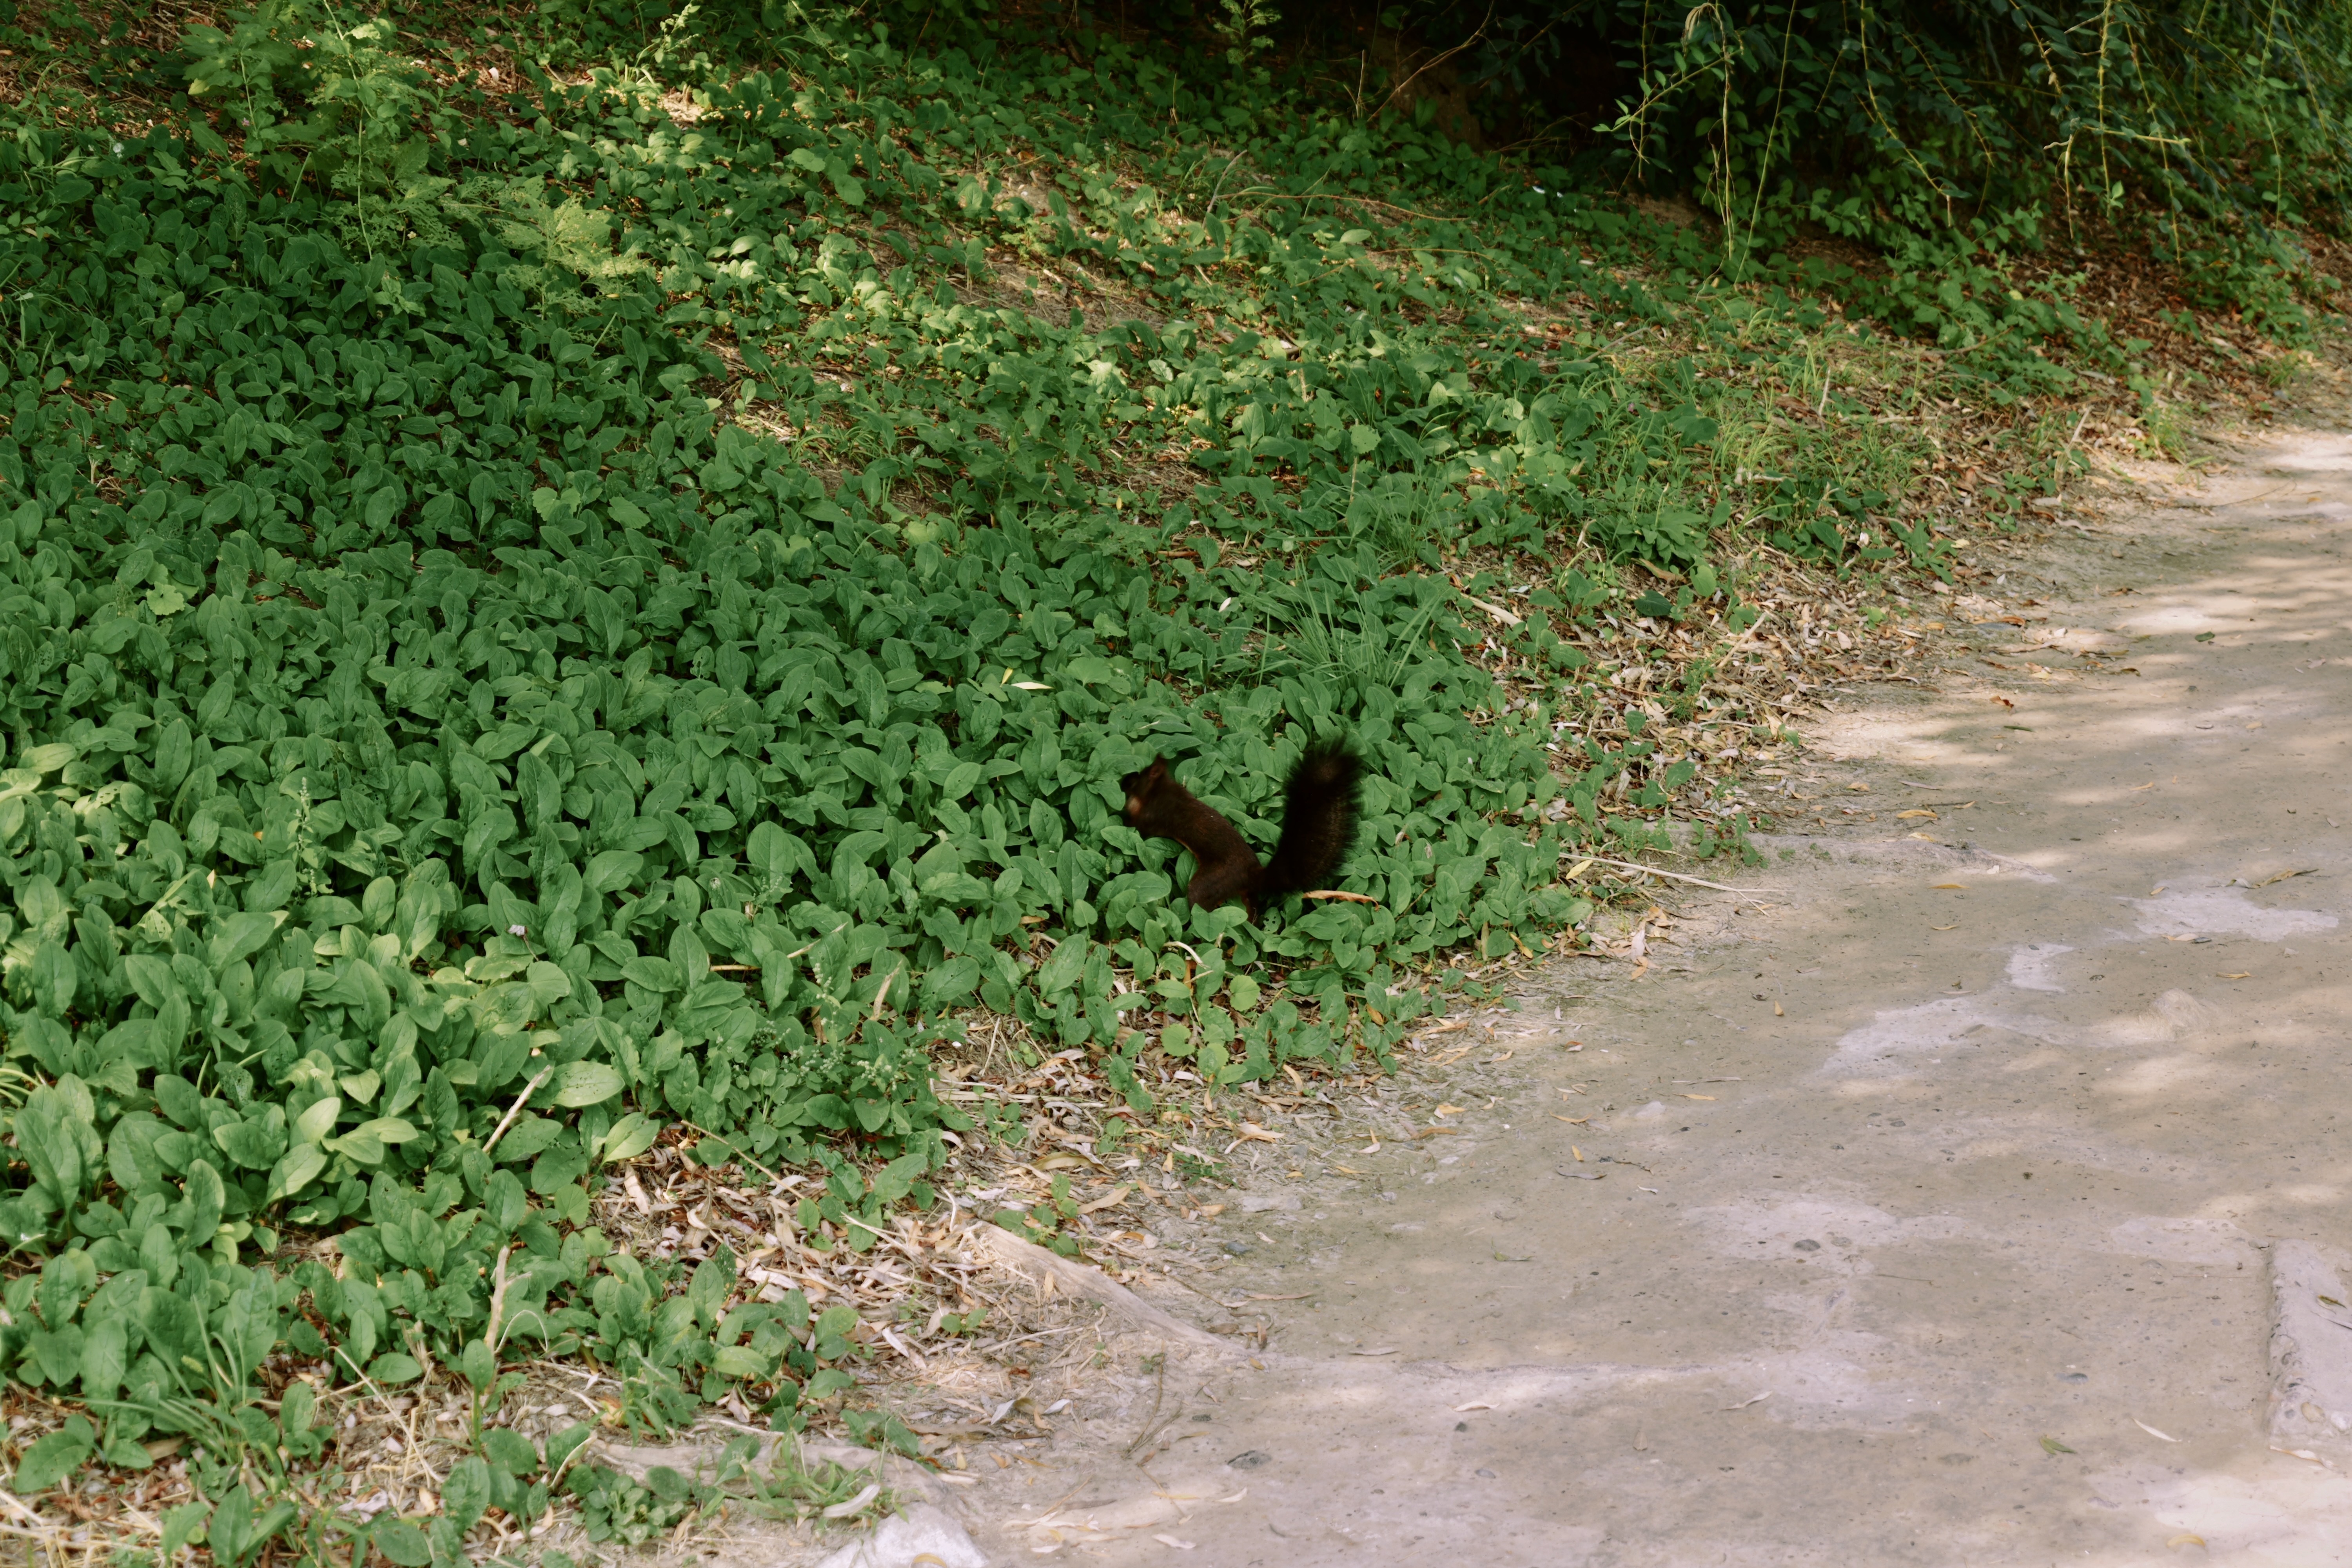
column 1319, row 821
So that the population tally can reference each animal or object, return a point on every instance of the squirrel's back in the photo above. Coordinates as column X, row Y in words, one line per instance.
column 1318, row 822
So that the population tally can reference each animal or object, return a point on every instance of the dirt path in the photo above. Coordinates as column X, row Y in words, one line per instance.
column 1881, row 1220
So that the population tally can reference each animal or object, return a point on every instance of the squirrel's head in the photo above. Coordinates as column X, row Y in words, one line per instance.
column 1141, row 786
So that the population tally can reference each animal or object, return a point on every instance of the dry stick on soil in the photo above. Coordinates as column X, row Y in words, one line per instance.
column 516, row 1109
column 1677, row 876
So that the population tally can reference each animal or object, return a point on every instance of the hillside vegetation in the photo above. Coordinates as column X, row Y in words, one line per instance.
column 574, row 580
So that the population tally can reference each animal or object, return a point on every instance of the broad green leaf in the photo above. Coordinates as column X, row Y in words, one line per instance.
column 241, row 935
column 656, row 973
column 300, row 1166
column 104, row 1356
column 548, row 985
column 45, row 1134
column 319, row 1120
column 509, row 1450
column 152, row 977
column 742, row 1361
column 399, row 1541
column 631, row 1136
column 359, row 1145
column 1061, row 971
column 466, row 1493
column 53, row 1457
column 206, row 1195
column 612, row 868
column 586, row 1083
column 961, row 781
column 255, row 1142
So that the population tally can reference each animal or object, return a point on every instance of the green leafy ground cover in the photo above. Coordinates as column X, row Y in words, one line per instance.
column 534, row 616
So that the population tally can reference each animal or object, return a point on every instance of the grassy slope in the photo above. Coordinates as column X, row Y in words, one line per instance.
column 556, row 610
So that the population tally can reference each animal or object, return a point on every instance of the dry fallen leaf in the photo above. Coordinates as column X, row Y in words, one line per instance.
column 1384, row 1350
column 1698, row 1097
column 2152, row 1431
column 1473, row 1404
column 2136, row 788
column 2184, row 1539
column 844, row 1508
column 1953, row 887
column 1252, row 1134
column 1447, row 1110
column 2240, row 974
column 2053, row 1446
column 1171, row 1540
column 1919, row 811
column 1111, row 1199
column 1955, row 926
column 1433, row 1131
column 1571, row 1120
column 1775, row 1010
column 1578, row 1152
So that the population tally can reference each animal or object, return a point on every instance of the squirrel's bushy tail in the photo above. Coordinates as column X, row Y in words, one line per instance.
column 1318, row 820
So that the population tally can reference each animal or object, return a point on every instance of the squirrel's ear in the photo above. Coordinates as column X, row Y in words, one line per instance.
column 1158, row 770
